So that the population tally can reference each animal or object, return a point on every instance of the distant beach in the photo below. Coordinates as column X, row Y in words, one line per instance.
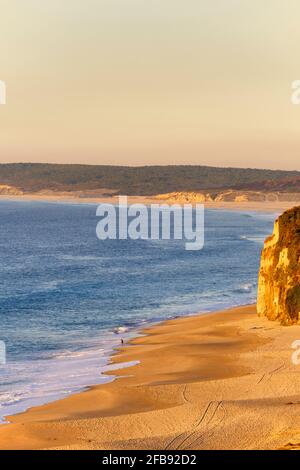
column 269, row 206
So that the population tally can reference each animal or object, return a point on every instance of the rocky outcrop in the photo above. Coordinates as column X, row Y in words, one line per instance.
column 6, row 190
column 239, row 196
column 193, row 197
column 184, row 197
column 279, row 275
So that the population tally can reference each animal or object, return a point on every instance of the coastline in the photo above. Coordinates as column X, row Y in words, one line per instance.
column 277, row 206
column 81, row 366
column 214, row 381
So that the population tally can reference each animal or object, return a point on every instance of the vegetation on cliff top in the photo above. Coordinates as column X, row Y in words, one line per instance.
column 146, row 180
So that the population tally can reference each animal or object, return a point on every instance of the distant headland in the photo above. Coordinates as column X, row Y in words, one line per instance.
column 182, row 182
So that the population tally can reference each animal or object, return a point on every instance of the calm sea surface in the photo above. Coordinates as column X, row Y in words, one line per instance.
column 64, row 295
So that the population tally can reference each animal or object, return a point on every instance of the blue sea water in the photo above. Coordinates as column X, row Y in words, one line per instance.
column 64, row 293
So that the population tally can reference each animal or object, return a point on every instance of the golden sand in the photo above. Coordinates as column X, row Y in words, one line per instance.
column 216, row 381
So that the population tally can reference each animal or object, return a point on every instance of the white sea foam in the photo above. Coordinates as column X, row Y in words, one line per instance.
column 120, row 329
column 257, row 239
column 48, row 380
column 246, row 287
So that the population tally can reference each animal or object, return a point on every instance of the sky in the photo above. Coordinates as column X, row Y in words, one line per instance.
column 141, row 82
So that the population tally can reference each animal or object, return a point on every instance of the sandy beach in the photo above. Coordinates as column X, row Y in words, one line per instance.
column 216, row 381
column 269, row 206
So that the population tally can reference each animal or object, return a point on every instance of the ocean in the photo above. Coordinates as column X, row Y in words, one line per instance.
column 67, row 298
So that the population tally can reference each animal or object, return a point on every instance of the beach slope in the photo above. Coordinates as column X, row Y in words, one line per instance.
column 216, row 381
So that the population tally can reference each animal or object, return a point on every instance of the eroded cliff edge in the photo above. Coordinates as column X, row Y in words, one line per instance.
column 279, row 274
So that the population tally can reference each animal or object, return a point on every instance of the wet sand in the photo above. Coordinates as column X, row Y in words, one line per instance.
column 215, row 381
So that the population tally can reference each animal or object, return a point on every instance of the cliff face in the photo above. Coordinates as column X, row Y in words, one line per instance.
column 184, row 197
column 6, row 190
column 279, row 275
column 192, row 197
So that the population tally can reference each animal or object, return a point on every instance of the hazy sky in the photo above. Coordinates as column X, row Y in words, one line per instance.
column 150, row 82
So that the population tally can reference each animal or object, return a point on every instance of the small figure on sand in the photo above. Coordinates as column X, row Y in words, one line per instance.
column 122, row 340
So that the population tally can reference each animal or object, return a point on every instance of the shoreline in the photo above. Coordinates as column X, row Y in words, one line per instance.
column 105, row 372
column 231, row 363
column 277, row 206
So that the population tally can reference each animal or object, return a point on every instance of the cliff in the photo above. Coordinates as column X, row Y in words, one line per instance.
column 193, row 197
column 6, row 190
column 279, row 275
column 184, row 197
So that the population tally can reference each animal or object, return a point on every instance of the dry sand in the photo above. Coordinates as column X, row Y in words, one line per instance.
column 276, row 206
column 217, row 381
